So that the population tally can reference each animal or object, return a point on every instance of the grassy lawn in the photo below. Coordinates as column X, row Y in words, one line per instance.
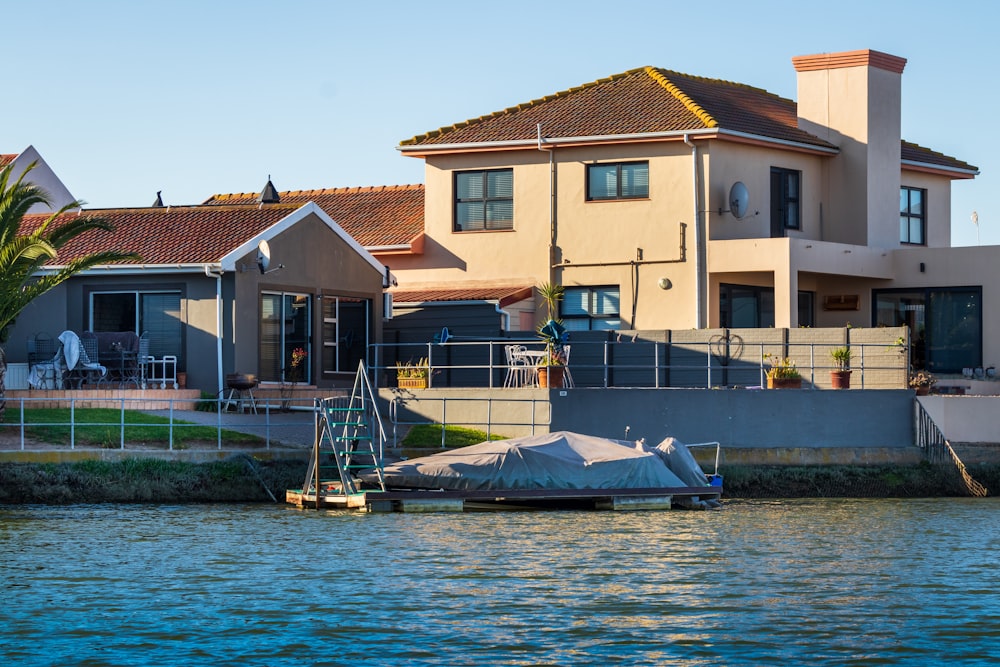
column 429, row 436
column 102, row 427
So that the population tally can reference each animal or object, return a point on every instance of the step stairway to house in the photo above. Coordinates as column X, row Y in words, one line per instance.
column 349, row 443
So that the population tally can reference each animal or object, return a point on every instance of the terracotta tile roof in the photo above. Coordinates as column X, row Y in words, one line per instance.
column 173, row 235
column 916, row 153
column 505, row 295
column 7, row 158
column 639, row 101
column 375, row 216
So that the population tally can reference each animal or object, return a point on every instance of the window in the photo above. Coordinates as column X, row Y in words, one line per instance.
column 284, row 326
column 484, row 200
column 912, row 215
column 345, row 334
column 623, row 180
column 785, row 201
column 946, row 325
column 591, row 308
column 158, row 313
column 752, row 307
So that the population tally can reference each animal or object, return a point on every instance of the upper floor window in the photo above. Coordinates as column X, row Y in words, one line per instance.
column 620, row 180
column 912, row 215
column 785, row 200
column 484, row 200
column 591, row 308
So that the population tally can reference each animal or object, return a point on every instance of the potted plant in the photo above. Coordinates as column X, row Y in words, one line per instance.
column 290, row 379
column 551, row 366
column 922, row 381
column 840, row 377
column 413, row 375
column 783, row 374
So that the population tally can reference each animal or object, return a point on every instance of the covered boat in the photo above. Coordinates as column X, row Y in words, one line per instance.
column 559, row 460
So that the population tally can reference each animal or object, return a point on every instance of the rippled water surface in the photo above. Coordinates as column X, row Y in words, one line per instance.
column 833, row 582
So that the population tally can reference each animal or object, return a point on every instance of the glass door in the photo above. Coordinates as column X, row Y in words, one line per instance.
column 284, row 328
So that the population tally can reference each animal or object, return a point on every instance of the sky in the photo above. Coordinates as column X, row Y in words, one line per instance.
column 196, row 97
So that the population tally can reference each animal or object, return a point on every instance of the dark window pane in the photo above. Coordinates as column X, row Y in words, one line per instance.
column 603, row 181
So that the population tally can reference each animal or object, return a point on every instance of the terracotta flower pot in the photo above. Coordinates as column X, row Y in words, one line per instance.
column 840, row 379
column 550, row 377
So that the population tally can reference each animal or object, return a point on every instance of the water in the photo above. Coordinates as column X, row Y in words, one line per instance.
column 824, row 582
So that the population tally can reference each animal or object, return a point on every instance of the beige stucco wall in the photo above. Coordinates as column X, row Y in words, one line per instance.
column 858, row 110
column 938, row 203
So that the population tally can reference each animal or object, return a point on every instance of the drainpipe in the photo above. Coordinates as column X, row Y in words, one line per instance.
column 218, row 325
column 552, row 204
column 699, row 279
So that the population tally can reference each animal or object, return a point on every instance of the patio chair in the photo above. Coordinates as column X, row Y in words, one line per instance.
column 517, row 367
column 74, row 356
column 42, row 371
column 567, row 376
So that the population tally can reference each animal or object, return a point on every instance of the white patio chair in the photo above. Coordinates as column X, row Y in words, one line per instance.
column 517, row 368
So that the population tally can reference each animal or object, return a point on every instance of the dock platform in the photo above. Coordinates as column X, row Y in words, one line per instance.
column 499, row 499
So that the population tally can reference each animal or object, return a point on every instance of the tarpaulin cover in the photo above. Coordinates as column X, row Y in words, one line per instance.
column 560, row 460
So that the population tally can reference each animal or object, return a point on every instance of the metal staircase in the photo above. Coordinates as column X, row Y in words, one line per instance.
column 350, row 441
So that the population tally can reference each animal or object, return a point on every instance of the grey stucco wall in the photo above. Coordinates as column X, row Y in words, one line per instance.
column 735, row 418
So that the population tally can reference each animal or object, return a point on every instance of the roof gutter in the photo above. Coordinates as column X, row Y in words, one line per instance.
column 129, row 269
column 600, row 138
column 929, row 166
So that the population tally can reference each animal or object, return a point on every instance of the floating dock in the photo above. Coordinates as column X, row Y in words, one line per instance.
column 503, row 499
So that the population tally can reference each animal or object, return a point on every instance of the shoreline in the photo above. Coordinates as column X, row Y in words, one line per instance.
column 244, row 478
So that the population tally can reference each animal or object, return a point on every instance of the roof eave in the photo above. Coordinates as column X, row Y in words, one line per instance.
column 941, row 170
column 554, row 142
column 137, row 269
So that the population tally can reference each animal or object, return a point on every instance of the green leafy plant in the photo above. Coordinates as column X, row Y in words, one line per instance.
column 552, row 332
column 842, row 357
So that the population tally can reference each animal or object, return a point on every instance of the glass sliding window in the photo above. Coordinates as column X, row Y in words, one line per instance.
column 284, row 326
column 785, row 201
column 912, row 216
column 591, row 308
column 158, row 313
column 623, row 180
column 946, row 325
column 484, row 200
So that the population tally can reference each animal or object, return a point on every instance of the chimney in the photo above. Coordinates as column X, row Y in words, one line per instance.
column 853, row 100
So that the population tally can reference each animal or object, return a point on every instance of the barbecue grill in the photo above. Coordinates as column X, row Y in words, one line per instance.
column 241, row 386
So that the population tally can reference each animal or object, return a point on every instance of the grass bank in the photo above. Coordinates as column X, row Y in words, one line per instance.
column 240, row 479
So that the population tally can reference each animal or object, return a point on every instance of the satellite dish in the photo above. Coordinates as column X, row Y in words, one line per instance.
column 263, row 256
column 739, row 200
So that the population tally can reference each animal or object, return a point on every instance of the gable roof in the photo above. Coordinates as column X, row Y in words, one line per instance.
column 643, row 101
column 378, row 217
column 189, row 238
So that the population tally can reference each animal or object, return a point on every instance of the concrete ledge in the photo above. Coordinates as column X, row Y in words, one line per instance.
column 813, row 456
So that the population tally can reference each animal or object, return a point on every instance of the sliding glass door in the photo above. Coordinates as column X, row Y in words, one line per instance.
column 285, row 321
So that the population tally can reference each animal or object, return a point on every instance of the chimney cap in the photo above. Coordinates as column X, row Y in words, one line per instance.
column 862, row 58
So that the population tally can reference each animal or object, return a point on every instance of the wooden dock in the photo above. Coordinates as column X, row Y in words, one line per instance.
column 507, row 499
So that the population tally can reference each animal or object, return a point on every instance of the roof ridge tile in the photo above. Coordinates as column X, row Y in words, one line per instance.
column 660, row 77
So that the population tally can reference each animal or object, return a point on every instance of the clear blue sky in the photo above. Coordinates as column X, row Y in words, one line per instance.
column 194, row 97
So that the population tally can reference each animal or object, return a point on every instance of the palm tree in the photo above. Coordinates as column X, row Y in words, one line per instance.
column 26, row 248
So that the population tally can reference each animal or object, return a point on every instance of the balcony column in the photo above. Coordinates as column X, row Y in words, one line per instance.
column 786, row 297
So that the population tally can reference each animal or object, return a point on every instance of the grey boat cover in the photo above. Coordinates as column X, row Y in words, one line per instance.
column 560, row 460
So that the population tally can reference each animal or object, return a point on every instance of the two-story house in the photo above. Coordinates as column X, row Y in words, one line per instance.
column 662, row 200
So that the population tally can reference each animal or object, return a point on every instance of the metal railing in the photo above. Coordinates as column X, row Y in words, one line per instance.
column 269, row 424
column 938, row 450
column 648, row 363
column 487, row 423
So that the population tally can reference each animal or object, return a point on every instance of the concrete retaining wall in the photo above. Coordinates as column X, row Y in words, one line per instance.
column 746, row 419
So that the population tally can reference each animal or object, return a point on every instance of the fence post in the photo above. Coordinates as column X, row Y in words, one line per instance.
column 72, row 423
column 121, row 423
column 170, row 428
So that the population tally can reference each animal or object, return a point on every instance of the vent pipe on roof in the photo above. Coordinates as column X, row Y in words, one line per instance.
column 159, row 200
column 269, row 195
